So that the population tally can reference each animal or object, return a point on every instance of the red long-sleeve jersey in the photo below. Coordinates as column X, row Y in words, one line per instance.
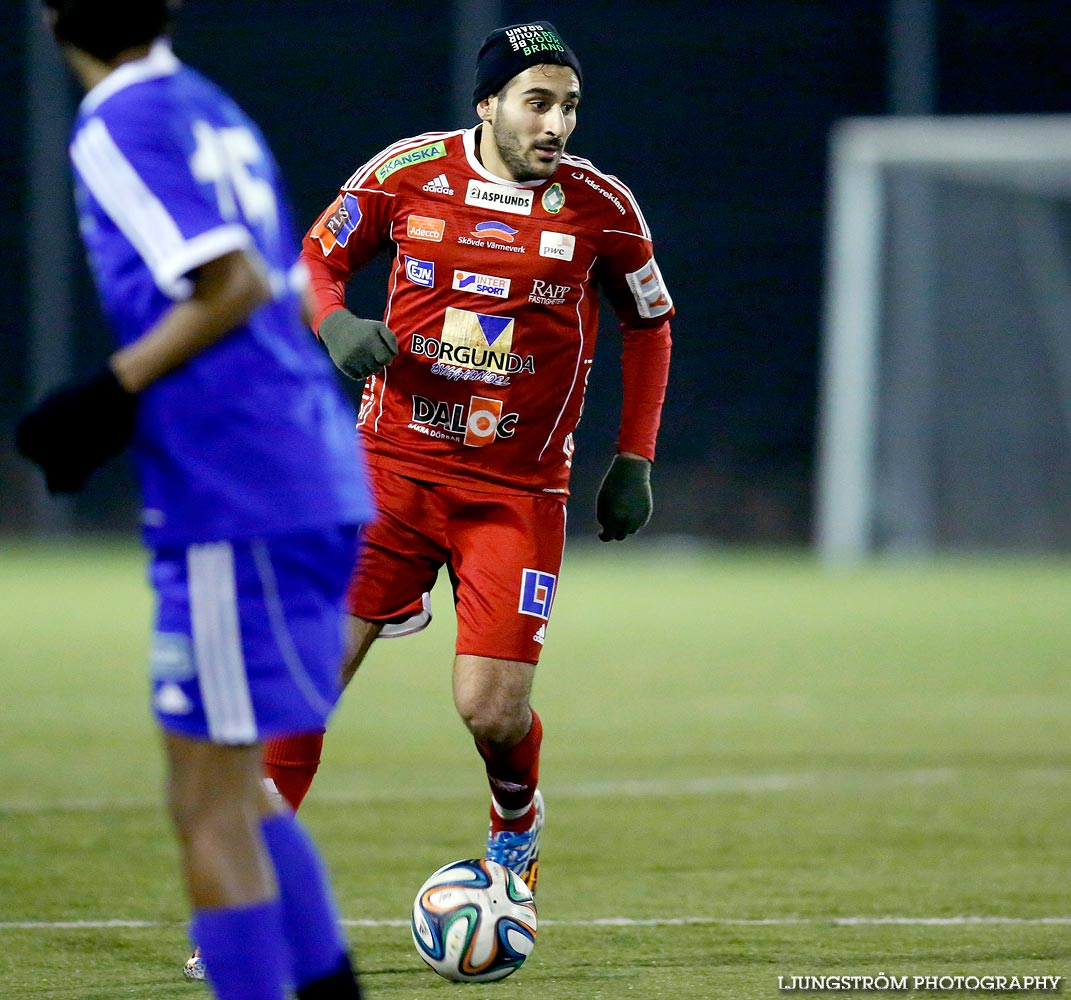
column 494, row 298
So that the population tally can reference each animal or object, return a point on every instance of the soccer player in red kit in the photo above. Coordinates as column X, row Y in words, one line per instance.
column 475, row 382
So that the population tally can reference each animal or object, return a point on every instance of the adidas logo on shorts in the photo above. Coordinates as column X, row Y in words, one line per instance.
column 541, row 635
column 439, row 185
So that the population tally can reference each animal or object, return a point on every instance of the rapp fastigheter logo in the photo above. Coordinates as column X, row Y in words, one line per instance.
column 546, row 293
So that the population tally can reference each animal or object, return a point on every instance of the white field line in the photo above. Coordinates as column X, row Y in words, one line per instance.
column 61, row 925
column 725, row 784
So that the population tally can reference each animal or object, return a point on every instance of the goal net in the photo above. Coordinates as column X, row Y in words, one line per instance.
column 945, row 401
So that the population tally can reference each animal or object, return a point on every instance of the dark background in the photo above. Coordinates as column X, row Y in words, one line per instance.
column 717, row 115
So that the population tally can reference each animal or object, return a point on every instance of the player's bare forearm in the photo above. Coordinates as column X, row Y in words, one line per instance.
column 226, row 292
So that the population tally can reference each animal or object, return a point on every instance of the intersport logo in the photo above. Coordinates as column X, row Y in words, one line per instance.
column 481, row 284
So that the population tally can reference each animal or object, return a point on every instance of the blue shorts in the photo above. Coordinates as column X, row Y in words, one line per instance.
column 248, row 637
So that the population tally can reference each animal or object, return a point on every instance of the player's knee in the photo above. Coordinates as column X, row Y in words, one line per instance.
column 495, row 724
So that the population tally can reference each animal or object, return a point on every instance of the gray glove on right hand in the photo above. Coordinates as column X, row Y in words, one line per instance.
column 357, row 346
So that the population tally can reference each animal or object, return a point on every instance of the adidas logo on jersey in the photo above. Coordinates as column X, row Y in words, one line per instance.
column 439, row 185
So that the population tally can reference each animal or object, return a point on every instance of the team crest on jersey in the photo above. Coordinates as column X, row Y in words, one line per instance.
column 553, row 200
column 337, row 224
column 650, row 293
column 537, row 593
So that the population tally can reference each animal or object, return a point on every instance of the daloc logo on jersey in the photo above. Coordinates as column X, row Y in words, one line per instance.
column 338, row 223
column 537, row 593
column 420, row 272
column 477, row 425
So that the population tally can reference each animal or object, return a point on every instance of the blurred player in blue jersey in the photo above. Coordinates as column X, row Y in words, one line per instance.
column 252, row 490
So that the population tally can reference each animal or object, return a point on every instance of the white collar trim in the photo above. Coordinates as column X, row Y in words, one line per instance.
column 160, row 61
column 474, row 161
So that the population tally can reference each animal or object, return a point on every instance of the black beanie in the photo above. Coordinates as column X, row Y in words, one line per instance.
column 104, row 28
column 511, row 50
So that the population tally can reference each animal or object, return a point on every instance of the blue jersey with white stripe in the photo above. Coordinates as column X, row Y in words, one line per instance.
column 251, row 437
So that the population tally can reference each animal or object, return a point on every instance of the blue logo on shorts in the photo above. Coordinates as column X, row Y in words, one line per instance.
column 537, row 593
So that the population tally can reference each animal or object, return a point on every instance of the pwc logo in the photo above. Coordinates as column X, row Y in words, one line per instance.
column 556, row 246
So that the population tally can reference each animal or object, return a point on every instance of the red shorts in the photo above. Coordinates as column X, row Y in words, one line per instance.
column 502, row 551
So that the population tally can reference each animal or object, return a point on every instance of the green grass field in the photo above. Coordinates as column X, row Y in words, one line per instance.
column 754, row 768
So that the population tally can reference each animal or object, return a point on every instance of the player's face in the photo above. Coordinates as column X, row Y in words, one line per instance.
column 531, row 121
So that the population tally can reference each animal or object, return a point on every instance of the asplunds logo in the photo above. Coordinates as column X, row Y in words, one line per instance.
column 517, row 201
column 476, row 425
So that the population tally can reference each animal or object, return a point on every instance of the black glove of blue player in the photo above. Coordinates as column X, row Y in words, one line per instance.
column 624, row 503
column 77, row 428
column 357, row 346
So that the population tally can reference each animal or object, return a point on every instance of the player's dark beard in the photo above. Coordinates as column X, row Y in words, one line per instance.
column 509, row 148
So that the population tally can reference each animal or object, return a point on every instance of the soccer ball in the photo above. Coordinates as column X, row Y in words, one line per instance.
column 474, row 921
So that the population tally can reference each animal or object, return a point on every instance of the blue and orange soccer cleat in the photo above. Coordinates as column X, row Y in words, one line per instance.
column 519, row 852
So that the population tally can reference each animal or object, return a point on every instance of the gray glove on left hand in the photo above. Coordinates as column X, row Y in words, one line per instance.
column 357, row 346
column 624, row 503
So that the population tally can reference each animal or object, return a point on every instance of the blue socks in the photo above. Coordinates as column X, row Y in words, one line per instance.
column 245, row 951
column 256, row 952
column 310, row 920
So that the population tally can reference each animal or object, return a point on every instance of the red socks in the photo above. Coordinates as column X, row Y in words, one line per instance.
column 513, row 774
column 291, row 762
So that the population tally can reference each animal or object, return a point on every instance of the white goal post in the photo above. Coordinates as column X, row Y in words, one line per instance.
column 945, row 229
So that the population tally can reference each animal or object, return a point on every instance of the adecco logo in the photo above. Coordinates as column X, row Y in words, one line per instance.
column 420, row 227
